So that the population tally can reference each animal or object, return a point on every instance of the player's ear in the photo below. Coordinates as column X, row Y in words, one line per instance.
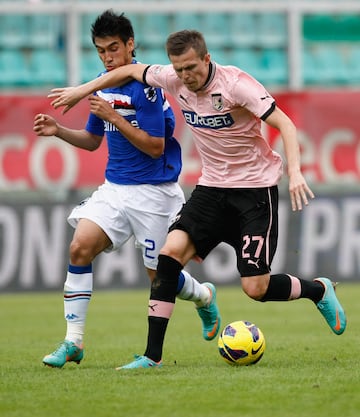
column 207, row 58
column 130, row 44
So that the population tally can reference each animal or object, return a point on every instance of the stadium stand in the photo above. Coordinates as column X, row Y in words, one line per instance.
column 216, row 28
column 153, row 55
column 275, row 64
column 44, row 31
column 15, row 69
column 90, row 65
column 330, row 45
column 354, row 64
column 242, row 30
column 248, row 60
column 153, row 26
column 48, row 67
column 256, row 41
column 183, row 20
column 13, row 31
column 330, row 28
column 272, row 30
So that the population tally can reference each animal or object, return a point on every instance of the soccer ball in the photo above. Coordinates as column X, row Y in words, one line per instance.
column 241, row 343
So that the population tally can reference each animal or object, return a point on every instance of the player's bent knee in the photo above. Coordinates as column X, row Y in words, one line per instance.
column 254, row 294
column 255, row 287
column 79, row 254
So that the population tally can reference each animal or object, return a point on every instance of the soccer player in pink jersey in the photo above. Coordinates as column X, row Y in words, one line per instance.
column 236, row 198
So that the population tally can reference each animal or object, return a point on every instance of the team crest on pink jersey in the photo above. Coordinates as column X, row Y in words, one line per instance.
column 156, row 68
column 217, row 101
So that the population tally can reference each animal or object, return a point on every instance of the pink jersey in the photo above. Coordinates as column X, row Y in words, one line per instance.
column 225, row 120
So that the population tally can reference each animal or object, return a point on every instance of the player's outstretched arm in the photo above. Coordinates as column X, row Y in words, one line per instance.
column 299, row 191
column 68, row 97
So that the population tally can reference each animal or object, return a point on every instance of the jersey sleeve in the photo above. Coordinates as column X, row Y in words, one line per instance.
column 149, row 110
column 95, row 125
column 160, row 76
column 252, row 95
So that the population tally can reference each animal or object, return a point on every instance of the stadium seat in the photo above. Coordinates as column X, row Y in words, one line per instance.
column 325, row 65
column 44, row 30
column 90, row 65
column 48, row 67
column 327, row 27
column 310, row 70
column 183, row 20
column 249, row 61
column 351, row 27
column 354, row 64
column 152, row 56
column 275, row 63
column 135, row 19
column 242, row 29
column 14, row 68
column 155, row 29
column 14, row 31
column 215, row 29
column 246, row 59
column 334, row 64
column 316, row 26
column 220, row 55
column 85, row 30
column 271, row 30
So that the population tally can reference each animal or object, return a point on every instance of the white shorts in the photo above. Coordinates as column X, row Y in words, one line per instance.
column 144, row 211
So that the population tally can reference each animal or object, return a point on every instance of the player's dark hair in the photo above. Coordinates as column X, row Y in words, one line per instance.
column 112, row 24
column 179, row 43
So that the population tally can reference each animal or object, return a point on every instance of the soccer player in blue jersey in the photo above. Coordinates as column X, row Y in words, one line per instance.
column 140, row 196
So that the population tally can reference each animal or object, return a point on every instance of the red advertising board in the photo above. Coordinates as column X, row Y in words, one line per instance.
column 328, row 125
column 329, row 132
column 31, row 162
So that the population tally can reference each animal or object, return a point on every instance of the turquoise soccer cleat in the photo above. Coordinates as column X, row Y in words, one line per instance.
column 66, row 352
column 210, row 315
column 141, row 362
column 330, row 307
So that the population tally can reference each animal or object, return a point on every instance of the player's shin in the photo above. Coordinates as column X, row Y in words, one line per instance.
column 285, row 287
column 190, row 289
column 161, row 304
column 77, row 294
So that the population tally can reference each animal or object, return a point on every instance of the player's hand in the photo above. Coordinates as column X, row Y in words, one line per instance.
column 66, row 97
column 299, row 191
column 45, row 125
column 101, row 108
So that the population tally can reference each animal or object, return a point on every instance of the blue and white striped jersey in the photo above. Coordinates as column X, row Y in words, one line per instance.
column 144, row 107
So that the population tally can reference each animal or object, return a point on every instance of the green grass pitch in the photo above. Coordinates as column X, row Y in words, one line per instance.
column 306, row 369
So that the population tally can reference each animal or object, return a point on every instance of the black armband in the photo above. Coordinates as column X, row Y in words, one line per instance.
column 267, row 114
column 144, row 74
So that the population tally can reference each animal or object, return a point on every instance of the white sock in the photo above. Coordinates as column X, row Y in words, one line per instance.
column 77, row 294
column 193, row 290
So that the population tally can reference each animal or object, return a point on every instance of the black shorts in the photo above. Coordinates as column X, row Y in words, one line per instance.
column 245, row 218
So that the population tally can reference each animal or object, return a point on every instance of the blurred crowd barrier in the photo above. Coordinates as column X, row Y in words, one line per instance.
column 322, row 240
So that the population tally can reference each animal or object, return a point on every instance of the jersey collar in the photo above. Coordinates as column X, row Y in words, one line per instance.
column 211, row 75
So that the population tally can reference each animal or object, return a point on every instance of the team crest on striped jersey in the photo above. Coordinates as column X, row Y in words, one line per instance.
column 150, row 93
column 217, row 101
